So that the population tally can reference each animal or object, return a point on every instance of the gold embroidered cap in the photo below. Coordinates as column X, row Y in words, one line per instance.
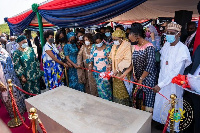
column 174, row 26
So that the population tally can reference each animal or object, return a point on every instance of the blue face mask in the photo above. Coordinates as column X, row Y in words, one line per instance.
column 171, row 38
column 108, row 34
column 24, row 45
column 99, row 45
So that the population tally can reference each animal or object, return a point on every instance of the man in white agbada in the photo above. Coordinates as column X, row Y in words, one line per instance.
column 175, row 57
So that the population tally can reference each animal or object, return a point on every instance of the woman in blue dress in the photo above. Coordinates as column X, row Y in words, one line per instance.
column 71, row 52
column 7, row 71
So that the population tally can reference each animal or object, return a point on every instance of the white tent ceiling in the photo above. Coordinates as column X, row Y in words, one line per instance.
column 152, row 9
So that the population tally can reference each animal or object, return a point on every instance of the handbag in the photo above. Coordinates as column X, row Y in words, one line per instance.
column 157, row 56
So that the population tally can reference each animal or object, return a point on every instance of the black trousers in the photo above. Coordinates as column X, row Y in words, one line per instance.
column 194, row 101
column 39, row 51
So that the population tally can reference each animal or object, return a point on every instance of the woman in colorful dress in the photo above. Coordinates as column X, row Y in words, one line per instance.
column 7, row 72
column 143, row 59
column 121, row 60
column 71, row 52
column 27, row 67
column 84, row 76
column 61, row 40
column 52, row 64
column 99, row 62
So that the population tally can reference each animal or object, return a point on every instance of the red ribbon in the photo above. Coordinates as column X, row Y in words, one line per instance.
column 108, row 75
column 166, row 124
column 13, row 99
column 36, row 94
column 42, row 127
column 24, row 91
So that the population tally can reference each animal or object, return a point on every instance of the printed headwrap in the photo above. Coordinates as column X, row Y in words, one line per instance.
column 70, row 34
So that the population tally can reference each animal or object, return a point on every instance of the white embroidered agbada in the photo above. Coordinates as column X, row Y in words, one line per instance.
column 174, row 60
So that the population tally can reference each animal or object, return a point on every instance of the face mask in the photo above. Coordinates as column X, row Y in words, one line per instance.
column 80, row 38
column 190, row 33
column 24, row 45
column 99, row 45
column 116, row 42
column 108, row 34
column 134, row 43
column 87, row 43
column 148, row 34
column 73, row 41
column 170, row 38
column 62, row 39
column 51, row 40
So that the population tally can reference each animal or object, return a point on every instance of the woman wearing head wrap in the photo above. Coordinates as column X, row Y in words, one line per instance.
column 7, row 72
column 153, row 37
column 84, row 76
column 99, row 62
column 27, row 67
column 71, row 52
column 52, row 64
column 143, row 59
column 121, row 60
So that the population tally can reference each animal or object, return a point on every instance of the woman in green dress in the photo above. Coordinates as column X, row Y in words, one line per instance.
column 27, row 67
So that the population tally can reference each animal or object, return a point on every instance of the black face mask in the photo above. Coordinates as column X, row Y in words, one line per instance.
column 62, row 39
column 134, row 43
column 73, row 41
column 190, row 33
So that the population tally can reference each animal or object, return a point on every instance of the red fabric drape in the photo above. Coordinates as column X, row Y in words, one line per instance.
column 197, row 38
column 112, row 24
column 19, row 18
column 63, row 4
column 44, row 25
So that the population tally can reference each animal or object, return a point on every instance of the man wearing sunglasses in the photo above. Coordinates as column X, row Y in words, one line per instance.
column 175, row 57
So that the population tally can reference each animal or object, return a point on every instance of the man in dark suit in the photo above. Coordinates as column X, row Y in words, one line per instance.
column 38, row 44
column 191, row 30
column 194, row 99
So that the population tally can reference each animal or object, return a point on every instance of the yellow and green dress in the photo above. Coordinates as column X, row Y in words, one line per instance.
column 121, row 60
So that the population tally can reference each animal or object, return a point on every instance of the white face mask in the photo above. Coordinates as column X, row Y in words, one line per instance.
column 80, row 38
column 87, row 43
column 24, row 45
column 99, row 44
column 116, row 42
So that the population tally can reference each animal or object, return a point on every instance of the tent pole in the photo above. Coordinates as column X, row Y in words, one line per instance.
column 39, row 17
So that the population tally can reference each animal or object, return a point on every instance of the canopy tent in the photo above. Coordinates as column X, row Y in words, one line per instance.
column 153, row 9
column 68, row 13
